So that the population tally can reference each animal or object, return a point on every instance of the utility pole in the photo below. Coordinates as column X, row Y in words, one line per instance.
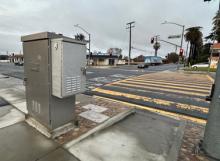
column 211, row 142
column 129, row 26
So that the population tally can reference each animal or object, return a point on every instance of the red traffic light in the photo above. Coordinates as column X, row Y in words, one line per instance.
column 181, row 52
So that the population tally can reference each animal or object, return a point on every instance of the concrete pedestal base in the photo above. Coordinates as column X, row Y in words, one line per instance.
column 47, row 132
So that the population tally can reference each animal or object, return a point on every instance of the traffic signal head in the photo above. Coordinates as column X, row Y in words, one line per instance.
column 181, row 52
column 152, row 40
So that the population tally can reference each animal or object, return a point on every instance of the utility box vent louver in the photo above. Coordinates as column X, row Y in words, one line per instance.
column 73, row 84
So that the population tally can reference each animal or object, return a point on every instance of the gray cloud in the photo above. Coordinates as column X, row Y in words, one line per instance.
column 105, row 20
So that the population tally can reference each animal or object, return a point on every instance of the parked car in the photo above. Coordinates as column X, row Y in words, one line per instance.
column 200, row 65
column 143, row 65
column 19, row 63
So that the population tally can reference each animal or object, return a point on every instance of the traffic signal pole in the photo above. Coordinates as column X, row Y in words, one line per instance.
column 211, row 142
column 156, row 38
column 182, row 36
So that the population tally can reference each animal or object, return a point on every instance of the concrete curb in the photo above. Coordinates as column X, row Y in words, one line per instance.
column 102, row 67
column 210, row 78
column 176, row 147
column 193, row 72
column 102, row 126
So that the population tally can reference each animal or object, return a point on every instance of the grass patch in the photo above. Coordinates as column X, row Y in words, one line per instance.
column 202, row 69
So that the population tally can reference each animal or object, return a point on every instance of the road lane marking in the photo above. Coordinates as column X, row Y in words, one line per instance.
column 168, row 83
column 166, row 86
column 153, row 100
column 186, row 82
column 162, row 89
column 161, row 93
column 181, row 81
column 161, row 112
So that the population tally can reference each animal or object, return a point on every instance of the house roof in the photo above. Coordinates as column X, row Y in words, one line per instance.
column 216, row 46
column 102, row 56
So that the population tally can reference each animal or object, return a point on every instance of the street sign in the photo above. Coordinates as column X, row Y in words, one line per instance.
column 174, row 36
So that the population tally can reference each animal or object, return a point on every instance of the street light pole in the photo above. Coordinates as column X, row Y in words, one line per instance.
column 89, row 44
column 182, row 35
column 78, row 26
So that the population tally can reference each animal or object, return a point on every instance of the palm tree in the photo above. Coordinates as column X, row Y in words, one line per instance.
column 215, row 34
column 194, row 37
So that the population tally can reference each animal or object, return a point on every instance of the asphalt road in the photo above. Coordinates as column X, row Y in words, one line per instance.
column 157, row 88
column 96, row 77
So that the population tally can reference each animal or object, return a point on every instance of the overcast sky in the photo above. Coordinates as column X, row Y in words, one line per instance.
column 104, row 19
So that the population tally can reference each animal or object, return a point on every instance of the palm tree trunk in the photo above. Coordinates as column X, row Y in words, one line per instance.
column 190, row 54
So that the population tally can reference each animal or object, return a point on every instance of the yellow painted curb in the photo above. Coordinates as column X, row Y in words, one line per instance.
column 153, row 100
column 161, row 112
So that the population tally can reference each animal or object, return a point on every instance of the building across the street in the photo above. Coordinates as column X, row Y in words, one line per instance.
column 215, row 55
column 103, row 59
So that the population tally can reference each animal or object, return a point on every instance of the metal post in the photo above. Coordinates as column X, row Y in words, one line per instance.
column 129, row 57
column 77, row 25
column 89, row 49
column 211, row 143
column 183, row 27
column 129, row 27
column 219, row 6
column 156, row 49
column 182, row 36
column 181, row 46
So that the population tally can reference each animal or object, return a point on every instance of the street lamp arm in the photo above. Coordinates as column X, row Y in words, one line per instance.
column 169, row 43
column 166, row 22
column 77, row 25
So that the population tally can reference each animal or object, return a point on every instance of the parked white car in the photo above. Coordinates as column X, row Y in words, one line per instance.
column 200, row 65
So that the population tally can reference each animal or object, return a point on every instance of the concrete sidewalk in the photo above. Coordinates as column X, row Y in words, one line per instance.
column 19, row 141
column 142, row 136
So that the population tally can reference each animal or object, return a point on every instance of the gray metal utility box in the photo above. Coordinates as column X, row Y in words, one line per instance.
column 54, row 68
